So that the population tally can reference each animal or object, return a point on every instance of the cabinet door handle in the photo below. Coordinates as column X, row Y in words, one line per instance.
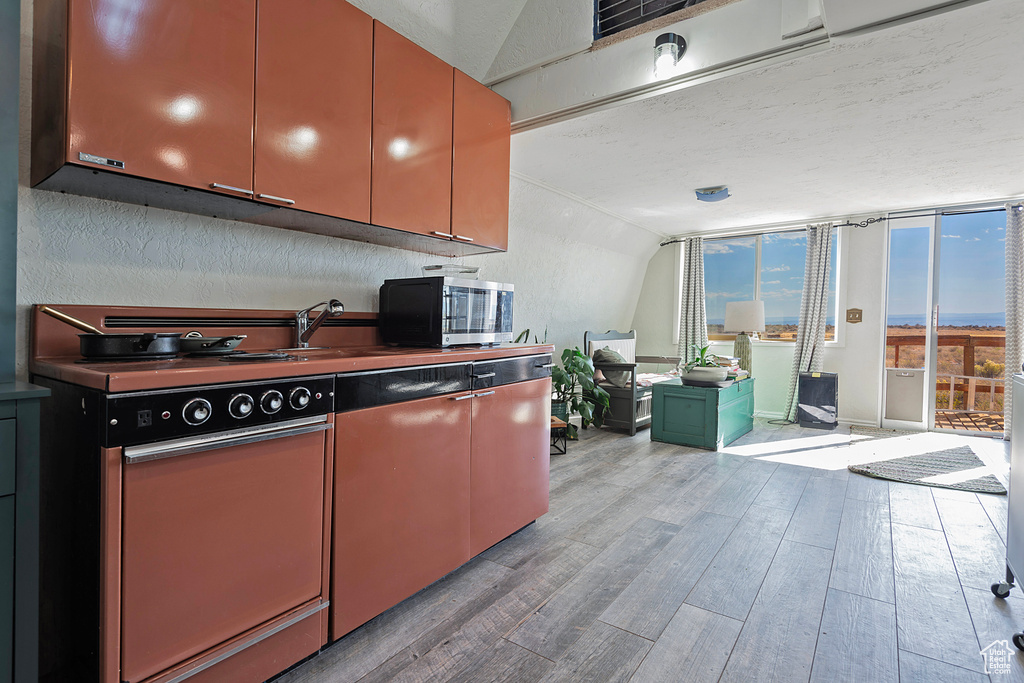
column 486, row 393
column 464, row 239
column 463, row 398
column 441, row 234
column 483, row 376
column 272, row 198
column 230, row 188
column 546, row 365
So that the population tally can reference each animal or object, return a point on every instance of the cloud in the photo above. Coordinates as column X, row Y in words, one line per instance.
column 796, row 277
column 717, row 248
column 952, row 237
column 778, row 269
column 975, row 239
column 772, row 282
column 782, row 294
column 735, row 296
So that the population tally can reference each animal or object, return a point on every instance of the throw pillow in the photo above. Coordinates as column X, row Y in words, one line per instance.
column 618, row 378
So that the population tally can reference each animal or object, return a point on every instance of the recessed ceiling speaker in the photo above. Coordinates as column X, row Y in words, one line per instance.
column 713, row 194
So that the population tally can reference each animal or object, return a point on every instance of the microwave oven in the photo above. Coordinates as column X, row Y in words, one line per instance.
column 445, row 311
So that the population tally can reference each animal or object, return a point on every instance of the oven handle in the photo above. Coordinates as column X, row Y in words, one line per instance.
column 239, row 437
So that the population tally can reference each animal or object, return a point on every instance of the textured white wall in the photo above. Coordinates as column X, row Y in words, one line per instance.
column 857, row 358
column 574, row 267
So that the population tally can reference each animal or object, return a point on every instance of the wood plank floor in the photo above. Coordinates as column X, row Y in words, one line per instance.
column 767, row 561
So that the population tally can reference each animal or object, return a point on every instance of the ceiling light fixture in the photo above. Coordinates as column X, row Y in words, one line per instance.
column 668, row 50
column 713, row 194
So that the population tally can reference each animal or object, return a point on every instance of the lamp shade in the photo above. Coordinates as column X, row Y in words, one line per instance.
column 744, row 316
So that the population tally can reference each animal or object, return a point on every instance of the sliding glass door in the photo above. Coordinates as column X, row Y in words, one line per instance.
column 945, row 322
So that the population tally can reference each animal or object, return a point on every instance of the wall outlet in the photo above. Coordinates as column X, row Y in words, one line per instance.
column 145, row 418
column 854, row 315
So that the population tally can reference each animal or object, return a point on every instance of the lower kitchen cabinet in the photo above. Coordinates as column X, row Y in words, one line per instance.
column 19, row 531
column 401, row 503
column 510, row 465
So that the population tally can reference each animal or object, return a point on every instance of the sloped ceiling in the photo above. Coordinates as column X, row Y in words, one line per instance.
column 920, row 114
column 465, row 33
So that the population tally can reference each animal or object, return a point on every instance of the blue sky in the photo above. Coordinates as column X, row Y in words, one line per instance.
column 729, row 271
column 971, row 266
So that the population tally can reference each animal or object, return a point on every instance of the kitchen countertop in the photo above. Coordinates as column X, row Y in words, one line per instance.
column 116, row 377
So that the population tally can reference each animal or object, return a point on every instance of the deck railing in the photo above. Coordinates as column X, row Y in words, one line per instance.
column 959, row 393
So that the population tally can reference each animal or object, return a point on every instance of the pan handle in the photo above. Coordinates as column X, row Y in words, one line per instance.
column 74, row 322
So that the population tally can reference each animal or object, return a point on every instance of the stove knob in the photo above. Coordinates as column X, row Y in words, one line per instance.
column 197, row 411
column 241, row 405
column 271, row 401
column 299, row 398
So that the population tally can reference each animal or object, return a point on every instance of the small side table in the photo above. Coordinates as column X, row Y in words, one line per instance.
column 559, row 436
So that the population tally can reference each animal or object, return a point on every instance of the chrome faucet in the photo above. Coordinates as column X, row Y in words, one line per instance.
column 304, row 329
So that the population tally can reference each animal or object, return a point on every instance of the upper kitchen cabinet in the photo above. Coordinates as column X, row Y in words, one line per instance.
column 161, row 89
column 481, row 132
column 309, row 116
column 412, row 136
column 314, row 78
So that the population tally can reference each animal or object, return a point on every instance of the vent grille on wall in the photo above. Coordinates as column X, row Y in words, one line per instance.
column 612, row 16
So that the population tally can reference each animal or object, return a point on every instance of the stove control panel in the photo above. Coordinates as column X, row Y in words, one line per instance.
column 145, row 417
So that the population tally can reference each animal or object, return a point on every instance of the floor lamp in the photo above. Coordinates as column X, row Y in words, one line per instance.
column 744, row 317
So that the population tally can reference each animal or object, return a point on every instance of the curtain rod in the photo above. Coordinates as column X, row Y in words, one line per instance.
column 848, row 224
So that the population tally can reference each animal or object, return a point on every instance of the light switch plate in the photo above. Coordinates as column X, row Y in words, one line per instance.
column 854, row 315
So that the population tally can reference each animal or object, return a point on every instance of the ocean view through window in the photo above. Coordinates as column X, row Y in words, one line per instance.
column 769, row 267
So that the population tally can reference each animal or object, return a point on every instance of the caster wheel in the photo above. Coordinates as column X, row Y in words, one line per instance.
column 1018, row 640
column 1001, row 590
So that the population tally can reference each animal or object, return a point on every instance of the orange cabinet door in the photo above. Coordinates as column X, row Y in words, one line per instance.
column 510, row 460
column 401, row 504
column 314, row 85
column 481, row 142
column 164, row 87
column 215, row 543
column 412, row 136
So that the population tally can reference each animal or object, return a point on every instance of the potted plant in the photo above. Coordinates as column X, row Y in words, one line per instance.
column 705, row 367
column 576, row 392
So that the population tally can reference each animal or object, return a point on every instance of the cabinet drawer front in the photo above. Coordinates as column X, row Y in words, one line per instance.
column 510, row 371
column 8, row 446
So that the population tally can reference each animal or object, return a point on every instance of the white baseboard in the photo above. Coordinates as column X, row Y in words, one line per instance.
column 764, row 414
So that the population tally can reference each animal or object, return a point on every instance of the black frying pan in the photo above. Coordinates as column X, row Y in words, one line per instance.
column 139, row 345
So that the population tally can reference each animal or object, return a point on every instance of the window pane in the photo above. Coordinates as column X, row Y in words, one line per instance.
column 729, row 271
column 782, row 282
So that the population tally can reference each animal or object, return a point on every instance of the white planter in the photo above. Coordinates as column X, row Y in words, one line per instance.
column 707, row 374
